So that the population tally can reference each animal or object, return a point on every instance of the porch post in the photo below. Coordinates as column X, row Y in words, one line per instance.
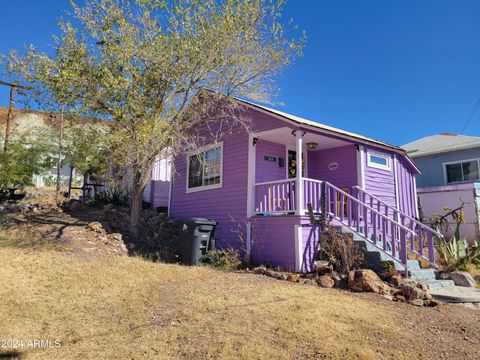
column 299, row 179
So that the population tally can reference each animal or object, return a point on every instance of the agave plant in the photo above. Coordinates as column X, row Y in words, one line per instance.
column 457, row 254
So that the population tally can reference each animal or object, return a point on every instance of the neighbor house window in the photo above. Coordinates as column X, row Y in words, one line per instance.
column 462, row 171
column 205, row 169
column 378, row 160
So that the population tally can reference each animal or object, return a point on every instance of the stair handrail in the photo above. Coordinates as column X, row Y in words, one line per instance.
column 435, row 232
column 402, row 239
column 369, row 207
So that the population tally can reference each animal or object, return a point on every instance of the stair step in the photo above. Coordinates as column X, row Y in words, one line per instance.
column 423, row 274
column 439, row 284
column 412, row 265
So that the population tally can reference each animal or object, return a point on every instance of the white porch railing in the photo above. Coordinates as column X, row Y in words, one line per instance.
column 279, row 197
column 388, row 229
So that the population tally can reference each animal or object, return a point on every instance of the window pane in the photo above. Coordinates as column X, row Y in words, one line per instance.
column 470, row 170
column 211, row 169
column 454, row 172
column 195, row 172
column 379, row 160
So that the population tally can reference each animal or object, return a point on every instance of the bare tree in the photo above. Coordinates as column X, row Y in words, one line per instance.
column 143, row 65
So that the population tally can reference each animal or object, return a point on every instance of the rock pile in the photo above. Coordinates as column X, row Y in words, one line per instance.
column 362, row 280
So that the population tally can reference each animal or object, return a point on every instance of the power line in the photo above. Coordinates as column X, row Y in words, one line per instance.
column 470, row 117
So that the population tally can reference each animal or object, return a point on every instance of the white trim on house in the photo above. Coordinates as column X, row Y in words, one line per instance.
column 397, row 191
column 170, row 186
column 382, row 155
column 445, row 177
column 299, row 172
column 251, row 176
column 298, row 248
column 361, row 166
column 197, row 152
column 248, row 245
column 415, row 196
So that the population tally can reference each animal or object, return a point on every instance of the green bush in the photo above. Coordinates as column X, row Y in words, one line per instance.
column 113, row 196
column 224, row 259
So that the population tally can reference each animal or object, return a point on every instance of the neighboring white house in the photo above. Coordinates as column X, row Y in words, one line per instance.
column 450, row 166
column 157, row 191
column 31, row 121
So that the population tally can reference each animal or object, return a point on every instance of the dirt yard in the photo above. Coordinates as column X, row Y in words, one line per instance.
column 62, row 281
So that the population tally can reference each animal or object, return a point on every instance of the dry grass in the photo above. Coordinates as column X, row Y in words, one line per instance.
column 128, row 308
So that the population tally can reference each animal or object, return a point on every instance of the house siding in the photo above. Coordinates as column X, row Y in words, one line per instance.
column 431, row 166
column 226, row 205
column 274, row 238
column 345, row 176
column 269, row 170
column 379, row 182
column 406, row 188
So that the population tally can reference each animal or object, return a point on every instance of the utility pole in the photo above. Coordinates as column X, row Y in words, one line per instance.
column 60, row 150
column 11, row 104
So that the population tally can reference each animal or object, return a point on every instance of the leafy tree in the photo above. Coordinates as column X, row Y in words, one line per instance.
column 144, row 64
column 25, row 156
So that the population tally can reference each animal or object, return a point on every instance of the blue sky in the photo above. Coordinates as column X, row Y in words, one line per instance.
column 394, row 70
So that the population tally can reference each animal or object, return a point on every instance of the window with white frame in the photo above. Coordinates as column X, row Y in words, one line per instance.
column 463, row 171
column 378, row 160
column 205, row 169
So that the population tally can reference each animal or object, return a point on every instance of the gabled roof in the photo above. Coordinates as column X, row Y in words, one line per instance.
column 331, row 129
column 302, row 121
column 441, row 143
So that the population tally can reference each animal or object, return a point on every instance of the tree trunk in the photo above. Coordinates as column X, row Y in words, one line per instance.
column 136, row 198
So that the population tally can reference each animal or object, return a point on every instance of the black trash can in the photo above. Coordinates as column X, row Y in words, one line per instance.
column 196, row 237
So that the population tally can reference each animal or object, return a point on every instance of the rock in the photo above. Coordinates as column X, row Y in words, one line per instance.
column 325, row 281
column 431, row 302
column 293, row 278
column 96, row 226
column 321, row 265
column 270, row 273
column 444, row 275
column 462, row 278
column 116, row 236
column 411, row 292
column 340, row 280
column 76, row 206
column 35, row 209
column 388, row 297
column 284, row 276
column 259, row 270
column 2, row 208
column 20, row 218
column 417, row 302
column 396, row 279
column 422, row 286
column 310, row 282
column 45, row 207
column 366, row 280
column 123, row 248
column 400, row 298
column 278, row 275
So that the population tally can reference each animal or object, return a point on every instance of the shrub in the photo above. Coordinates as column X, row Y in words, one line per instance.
column 225, row 259
column 340, row 250
column 456, row 254
column 113, row 196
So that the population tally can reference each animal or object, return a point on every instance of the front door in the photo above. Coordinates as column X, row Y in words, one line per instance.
column 292, row 164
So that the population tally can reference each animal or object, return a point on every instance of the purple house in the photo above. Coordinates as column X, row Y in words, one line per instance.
column 257, row 191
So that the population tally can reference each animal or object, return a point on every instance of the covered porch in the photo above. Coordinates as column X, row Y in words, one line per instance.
column 284, row 186
column 330, row 178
